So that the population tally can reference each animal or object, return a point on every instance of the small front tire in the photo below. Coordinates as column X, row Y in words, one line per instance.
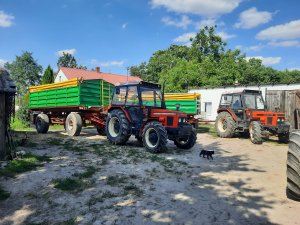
column 255, row 132
column 155, row 137
column 42, row 123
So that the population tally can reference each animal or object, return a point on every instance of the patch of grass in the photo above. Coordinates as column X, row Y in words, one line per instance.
column 207, row 128
column 133, row 189
column 56, row 127
column 17, row 124
column 90, row 171
column 116, row 180
column 71, row 145
column 68, row 184
column 54, row 141
column 106, row 195
column 3, row 194
column 29, row 162
column 166, row 163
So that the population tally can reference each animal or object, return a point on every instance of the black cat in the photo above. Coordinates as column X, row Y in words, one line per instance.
column 207, row 153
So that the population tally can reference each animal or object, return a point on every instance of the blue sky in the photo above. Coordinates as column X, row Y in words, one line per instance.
column 120, row 33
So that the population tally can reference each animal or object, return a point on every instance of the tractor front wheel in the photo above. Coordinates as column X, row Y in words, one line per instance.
column 186, row 143
column 155, row 137
column 293, row 167
column 283, row 137
column 42, row 123
column 225, row 125
column 117, row 127
column 73, row 124
column 255, row 132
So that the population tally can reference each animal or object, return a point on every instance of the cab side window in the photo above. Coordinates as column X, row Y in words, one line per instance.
column 132, row 97
column 119, row 96
column 236, row 102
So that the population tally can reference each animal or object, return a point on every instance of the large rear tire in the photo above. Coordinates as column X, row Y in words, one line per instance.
column 42, row 123
column 117, row 127
column 155, row 137
column 73, row 124
column 186, row 143
column 293, row 167
column 255, row 131
column 225, row 125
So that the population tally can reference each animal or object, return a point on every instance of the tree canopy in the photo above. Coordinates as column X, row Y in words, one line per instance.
column 25, row 71
column 207, row 62
column 67, row 60
column 48, row 77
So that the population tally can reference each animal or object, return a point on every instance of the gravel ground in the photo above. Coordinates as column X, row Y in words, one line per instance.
column 244, row 184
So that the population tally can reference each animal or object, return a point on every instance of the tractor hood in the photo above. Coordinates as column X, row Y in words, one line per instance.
column 167, row 112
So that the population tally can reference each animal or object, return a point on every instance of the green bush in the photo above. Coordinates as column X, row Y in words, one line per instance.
column 23, row 112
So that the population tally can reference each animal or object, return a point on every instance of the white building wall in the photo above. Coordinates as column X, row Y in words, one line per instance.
column 60, row 77
column 211, row 96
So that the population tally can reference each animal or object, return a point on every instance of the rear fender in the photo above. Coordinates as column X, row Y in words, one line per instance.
column 230, row 112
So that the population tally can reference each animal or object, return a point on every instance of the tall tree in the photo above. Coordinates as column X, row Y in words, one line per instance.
column 25, row 71
column 67, row 60
column 48, row 77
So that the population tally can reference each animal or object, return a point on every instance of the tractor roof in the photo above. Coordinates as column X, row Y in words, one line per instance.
column 245, row 91
column 140, row 83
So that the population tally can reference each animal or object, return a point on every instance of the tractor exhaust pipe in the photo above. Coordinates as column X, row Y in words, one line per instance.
column 163, row 103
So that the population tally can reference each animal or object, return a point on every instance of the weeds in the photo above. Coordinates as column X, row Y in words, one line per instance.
column 29, row 162
column 90, row 171
column 101, row 198
column 133, row 189
column 3, row 194
column 69, row 184
column 115, row 180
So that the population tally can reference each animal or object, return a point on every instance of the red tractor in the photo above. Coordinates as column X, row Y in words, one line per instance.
column 139, row 109
column 245, row 112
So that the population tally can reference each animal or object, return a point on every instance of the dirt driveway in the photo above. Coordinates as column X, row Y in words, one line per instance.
column 89, row 181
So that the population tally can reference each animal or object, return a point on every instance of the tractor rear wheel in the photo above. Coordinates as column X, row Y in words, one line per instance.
column 73, row 124
column 42, row 123
column 155, row 137
column 255, row 131
column 293, row 167
column 186, row 143
column 225, row 125
column 117, row 127
column 101, row 131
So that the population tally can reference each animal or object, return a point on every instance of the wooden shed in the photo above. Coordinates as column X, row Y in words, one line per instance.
column 7, row 95
column 285, row 101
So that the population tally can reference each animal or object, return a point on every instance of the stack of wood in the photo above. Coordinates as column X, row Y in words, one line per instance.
column 7, row 95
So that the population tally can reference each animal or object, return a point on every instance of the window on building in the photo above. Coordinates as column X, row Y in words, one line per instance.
column 208, row 108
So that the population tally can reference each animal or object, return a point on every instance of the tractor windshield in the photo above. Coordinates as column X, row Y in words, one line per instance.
column 254, row 101
column 151, row 97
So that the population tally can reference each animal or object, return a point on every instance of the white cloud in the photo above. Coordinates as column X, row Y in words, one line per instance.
column 71, row 51
column 107, row 63
column 6, row 19
column 292, row 69
column 225, row 36
column 184, row 38
column 254, row 48
column 198, row 7
column 183, row 22
column 287, row 31
column 285, row 43
column 124, row 25
column 267, row 60
column 251, row 18
column 2, row 62
column 205, row 22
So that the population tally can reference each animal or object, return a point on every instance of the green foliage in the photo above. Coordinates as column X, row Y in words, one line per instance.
column 25, row 71
column 3, row 194
column 67, row 184
column 207, row 62
column 23, row 112
column 48, row 77
column 29, row 162
column 67, row 60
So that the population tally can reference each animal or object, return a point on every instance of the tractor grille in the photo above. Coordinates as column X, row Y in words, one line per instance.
column 170, row 121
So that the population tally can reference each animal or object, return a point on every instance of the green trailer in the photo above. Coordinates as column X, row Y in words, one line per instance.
column 73, row 103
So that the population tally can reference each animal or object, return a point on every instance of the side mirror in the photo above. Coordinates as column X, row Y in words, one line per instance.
column 117, row 90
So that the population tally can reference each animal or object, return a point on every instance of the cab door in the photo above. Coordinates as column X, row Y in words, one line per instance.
column 132, row 106
column 237, row 107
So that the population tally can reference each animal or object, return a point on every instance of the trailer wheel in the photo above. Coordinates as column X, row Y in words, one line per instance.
column 42, row 123
column 73, row 124
column 186, row 143
column 155, row 137
column 225, row 125
column 293, row 167
column 101, row 131
column 117, row 127
column 284, row 137
column 255, row 132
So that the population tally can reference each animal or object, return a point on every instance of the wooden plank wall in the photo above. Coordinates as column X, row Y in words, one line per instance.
column 287, row 102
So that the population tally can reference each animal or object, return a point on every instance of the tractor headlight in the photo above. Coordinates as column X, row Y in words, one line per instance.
column 180, row 120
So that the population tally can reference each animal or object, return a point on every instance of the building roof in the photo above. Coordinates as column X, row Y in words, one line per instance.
column 91, row 75
column 6, row 83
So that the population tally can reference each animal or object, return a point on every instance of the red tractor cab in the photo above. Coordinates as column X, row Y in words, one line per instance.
column 139, row 109
column 245, row 112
